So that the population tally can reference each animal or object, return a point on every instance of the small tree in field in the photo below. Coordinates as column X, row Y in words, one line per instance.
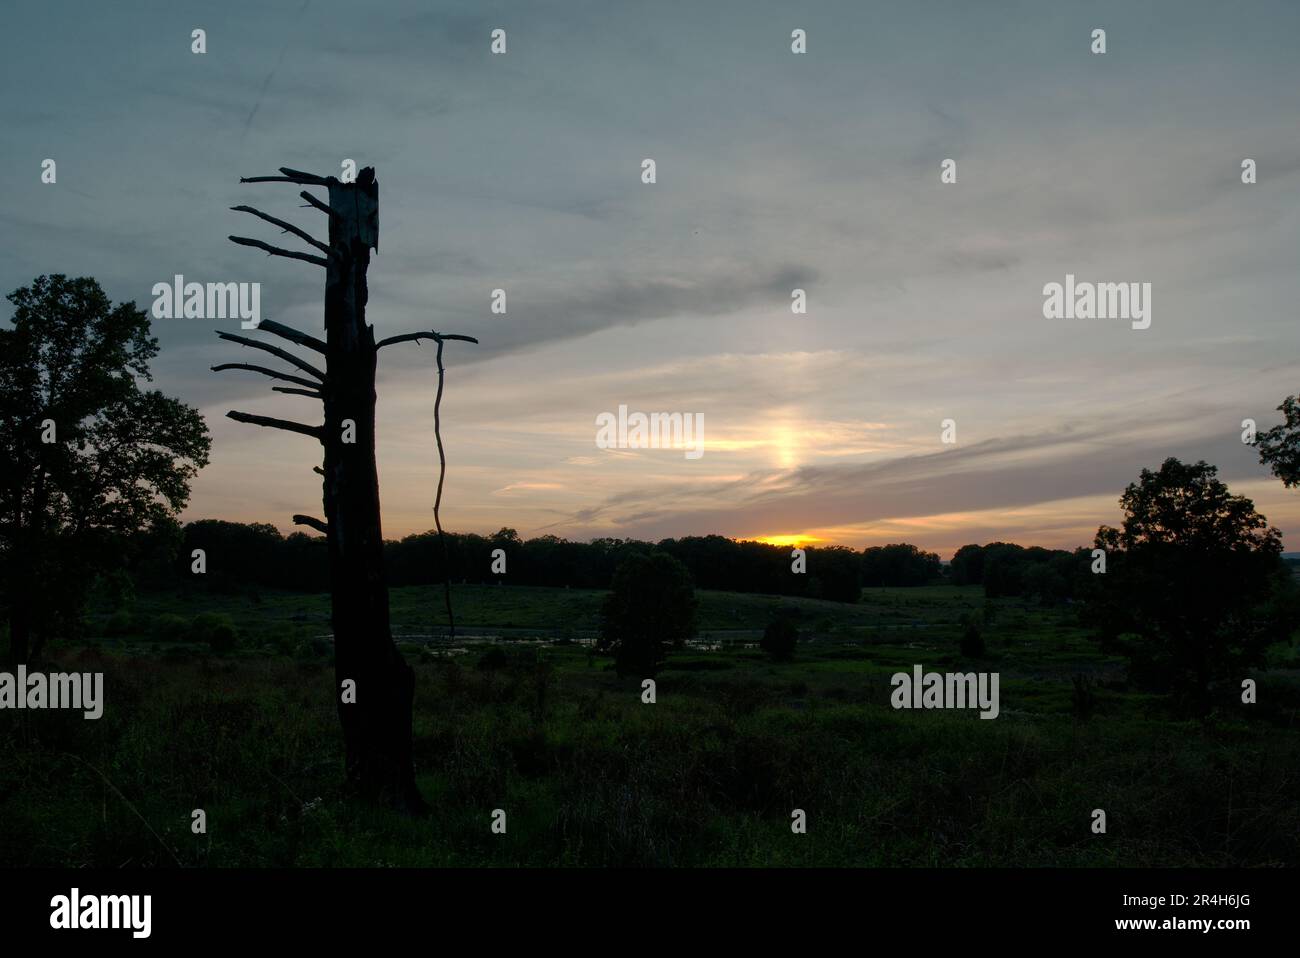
column 1194, row 589
column 780, row 639
column 972, row 638
column 651, row 607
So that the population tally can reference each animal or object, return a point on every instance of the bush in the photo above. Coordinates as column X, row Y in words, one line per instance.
column 119, row 623
column 1083, row 702
column 779, row 640
column 972, row 642
column 308, row 650
column 493, row 660
column 215, row 630
column 170, row 627
column 283, row 644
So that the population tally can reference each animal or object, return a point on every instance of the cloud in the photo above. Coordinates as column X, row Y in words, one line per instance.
column 1014, row 473
column 548, row 311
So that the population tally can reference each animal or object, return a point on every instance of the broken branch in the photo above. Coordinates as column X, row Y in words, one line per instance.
column 267, row 372
column 300, row 520
column 276, row 251
column 316, row 432
column 290, row 176
column 275, row 351
column 412, row 337
column 312, row 201
column 314, row 394
column 287, row 227
column 291, row 334
column 311, row 178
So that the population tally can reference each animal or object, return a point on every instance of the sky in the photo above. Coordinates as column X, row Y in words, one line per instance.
column 819, row 171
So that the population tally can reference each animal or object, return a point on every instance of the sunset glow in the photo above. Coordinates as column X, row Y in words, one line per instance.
column 795, row 541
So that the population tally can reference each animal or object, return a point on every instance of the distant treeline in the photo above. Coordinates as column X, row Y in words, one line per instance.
column 239, row 555
column 258, row 554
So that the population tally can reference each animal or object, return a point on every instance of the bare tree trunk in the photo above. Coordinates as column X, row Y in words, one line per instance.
column 375, row 685
column 377, row 726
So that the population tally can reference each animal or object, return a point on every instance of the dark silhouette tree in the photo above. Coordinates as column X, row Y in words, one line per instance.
column 901, row 564
column 377, row 723
column 780, row 639
column 651, row 607
column 1194, row 589
column 1279, row 447
column 967, row 565
column 88, row 457
column 834, row 573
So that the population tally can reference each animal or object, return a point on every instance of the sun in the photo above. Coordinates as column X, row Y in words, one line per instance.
column 792, row 540
column 786, row 444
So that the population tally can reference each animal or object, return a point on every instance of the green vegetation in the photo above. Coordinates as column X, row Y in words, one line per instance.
column 650, row 607
column 541, row 726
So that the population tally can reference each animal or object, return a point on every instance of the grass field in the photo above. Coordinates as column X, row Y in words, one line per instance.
column 588, row 775
column 419, row 610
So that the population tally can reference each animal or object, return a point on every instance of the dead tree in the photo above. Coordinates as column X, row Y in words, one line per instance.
column 377, row 719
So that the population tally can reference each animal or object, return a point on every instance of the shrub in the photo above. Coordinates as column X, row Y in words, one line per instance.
column 493, row 660
column 215, row 630
column 1083, row 702
column 170, row 627
column 311, row 649
column 283, row 645
column 972, row 642
column 779, row 639
column 119, row 623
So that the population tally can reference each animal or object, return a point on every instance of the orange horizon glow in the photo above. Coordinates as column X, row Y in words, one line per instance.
column 795, row 540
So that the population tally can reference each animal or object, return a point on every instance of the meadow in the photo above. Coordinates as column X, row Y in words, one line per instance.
column 519, row 713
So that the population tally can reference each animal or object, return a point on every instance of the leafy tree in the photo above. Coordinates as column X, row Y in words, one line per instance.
column 838, row 570
column 1279, row 447
column 1194, row 589
column 967, row 565
column 252, row 551
column 900, row 564
column 505, row 536
column 651, row 606
column 87, row 455
column 508, row 541
column 1004, row 567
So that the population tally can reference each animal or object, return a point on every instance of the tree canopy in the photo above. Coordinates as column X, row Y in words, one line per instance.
column 1195, row 589
column 1279, row 447
column 87, row 455
column 899, row 564
column 651, row 606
